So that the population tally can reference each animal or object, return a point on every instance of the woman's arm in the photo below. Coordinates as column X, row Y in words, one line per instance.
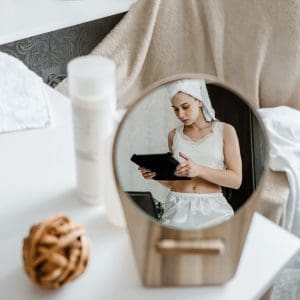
column 232, row 176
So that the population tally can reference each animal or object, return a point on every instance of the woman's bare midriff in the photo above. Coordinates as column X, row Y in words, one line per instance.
column 195, row 185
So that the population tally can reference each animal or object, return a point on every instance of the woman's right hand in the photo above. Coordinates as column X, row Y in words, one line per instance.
column 146, row 173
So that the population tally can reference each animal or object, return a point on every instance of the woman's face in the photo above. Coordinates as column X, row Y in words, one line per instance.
column 186, row 108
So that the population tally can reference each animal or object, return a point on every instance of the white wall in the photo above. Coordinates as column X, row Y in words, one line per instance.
column 145, row 131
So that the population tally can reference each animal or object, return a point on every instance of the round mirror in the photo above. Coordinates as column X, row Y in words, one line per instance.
column 190, row 153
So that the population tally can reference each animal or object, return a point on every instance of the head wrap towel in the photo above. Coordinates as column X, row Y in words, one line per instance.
column 195, row 88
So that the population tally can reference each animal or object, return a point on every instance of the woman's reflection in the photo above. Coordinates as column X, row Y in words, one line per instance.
column 208, row 151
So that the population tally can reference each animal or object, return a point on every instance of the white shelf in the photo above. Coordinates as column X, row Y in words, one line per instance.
column 25, row 18
column 37, row 180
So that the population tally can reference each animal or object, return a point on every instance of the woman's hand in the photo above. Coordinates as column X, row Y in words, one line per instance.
column 146, row 173
column 187, row 168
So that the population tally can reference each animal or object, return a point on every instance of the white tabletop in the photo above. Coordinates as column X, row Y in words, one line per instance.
column 37, row 180
column 25, row 18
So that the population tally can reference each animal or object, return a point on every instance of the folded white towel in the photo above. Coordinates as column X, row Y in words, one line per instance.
column 283, row 128
column 23, row 97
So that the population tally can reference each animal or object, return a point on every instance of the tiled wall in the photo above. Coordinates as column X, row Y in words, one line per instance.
column 47, row 54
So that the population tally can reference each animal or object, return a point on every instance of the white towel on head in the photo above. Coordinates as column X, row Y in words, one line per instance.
column 195, row 88
column 23, row 97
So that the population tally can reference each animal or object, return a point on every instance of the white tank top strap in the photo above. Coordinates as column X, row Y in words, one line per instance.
column 177, row 130
column 218, row 127
column 175, row 138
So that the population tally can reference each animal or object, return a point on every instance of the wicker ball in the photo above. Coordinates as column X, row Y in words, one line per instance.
column 55, row 252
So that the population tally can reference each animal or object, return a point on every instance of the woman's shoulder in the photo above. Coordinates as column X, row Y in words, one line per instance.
column 171, row 138
column 225, row 126
column 171, row 134
column 228, row 127
column 229, row 131
column 225, row 129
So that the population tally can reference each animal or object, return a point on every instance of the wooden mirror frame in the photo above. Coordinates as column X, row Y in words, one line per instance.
column 174, row 257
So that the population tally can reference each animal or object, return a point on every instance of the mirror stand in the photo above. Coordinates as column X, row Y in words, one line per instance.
column 173, row 257
column 189, row 253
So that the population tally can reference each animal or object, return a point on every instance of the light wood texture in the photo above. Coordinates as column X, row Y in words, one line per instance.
column 165, row 268
column 203, row 247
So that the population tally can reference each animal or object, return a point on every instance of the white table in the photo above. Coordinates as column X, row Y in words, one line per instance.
column 20, row 19
column 37, row 180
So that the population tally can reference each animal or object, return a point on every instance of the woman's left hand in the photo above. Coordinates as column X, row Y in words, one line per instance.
column 188, row 167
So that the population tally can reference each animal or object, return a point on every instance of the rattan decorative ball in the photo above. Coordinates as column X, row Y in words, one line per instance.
column 55, row 252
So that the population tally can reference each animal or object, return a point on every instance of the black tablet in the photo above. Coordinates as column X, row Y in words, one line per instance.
column 163, row 164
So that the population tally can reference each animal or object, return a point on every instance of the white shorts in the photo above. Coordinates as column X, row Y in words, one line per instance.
column 191, row 210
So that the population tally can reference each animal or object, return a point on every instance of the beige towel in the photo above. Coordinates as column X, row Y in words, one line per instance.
column 253, row 45
column 274, row 197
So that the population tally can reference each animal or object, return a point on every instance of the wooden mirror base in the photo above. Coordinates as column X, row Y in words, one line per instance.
column 172, row 257
column 197, row 247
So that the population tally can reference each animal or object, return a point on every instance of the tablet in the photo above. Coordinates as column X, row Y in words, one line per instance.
column 163, row 164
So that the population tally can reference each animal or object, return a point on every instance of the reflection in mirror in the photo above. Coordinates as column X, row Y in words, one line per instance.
column 190, row 154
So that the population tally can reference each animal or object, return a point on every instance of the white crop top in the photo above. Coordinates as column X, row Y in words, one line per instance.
column 207, row 151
